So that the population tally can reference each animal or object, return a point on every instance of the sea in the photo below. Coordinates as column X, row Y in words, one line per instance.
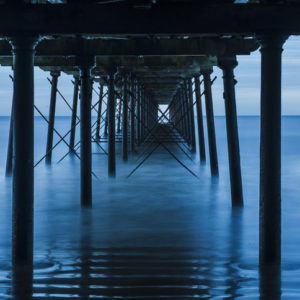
column 160, row 233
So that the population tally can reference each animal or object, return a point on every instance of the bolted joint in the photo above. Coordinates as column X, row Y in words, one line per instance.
column 227, row 62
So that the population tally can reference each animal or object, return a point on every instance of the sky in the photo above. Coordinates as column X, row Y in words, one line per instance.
column 247, row 74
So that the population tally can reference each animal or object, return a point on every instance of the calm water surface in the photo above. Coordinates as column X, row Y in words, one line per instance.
column 160, row 234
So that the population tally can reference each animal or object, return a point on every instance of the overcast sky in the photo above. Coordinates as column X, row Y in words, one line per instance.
column 247, row 89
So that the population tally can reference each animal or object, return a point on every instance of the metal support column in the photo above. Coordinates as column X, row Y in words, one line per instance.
column 23, row 49
column 139, row 114
column 142, row 129
column 85, row 130
column 111, row 125
column 227, row 64
column 54, row 75
column 106, row 122
column 184, row 120
column 200, row 120
column 119, row 117
column 184, row 115
column 99, row 111
column 192, row 117
column 74, row 112
column 181, row 114
column 125, row 120
column 270, row 150
column 187, row 112
column 210, row 121
column 132, row 116
column 9, row 157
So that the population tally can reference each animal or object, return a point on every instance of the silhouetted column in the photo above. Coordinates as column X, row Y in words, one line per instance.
column 119, row 117
column 85, row 66
column 106, row 122
column 181, row 116
column 173, row 106
column 210, row 121
column 156, row 110
column 227, row 64
column 152, row 110
column 54, row 75
column 74, row 112
column 144, row 113
column 177, row 119
column 200, row 119
column 171, row 112
column 125, row 120
column 23, row 49
column 132, row 116
column 139, row 114
column 182, row 99
column 148, row 113
column 270, row 150
column 99, row 111
column 9, row 157
column 192, row 118
column 111, row 125
column 187, row 112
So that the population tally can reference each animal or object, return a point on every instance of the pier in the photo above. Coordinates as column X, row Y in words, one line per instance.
column 137, row 57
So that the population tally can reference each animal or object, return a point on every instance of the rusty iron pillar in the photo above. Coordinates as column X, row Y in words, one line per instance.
column 270, row 150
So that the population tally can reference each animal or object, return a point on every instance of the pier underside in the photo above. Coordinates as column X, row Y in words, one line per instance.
column 137, row 56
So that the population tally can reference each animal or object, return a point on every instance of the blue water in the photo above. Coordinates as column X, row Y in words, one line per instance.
column 160, row 234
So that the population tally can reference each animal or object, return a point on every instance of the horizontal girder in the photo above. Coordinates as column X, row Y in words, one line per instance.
column 66, row 47
column 169, row 19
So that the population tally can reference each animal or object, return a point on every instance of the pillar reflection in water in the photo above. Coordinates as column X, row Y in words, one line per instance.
column 22, row 282
column 234, row 277
column 270, row 282
column 85, row 253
